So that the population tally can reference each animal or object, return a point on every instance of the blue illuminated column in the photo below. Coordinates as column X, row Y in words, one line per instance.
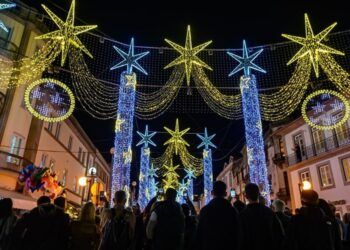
column 207, row 164
column 125, row 118
column 145, row 175
column 190, row 177
column 252, row 120
column 254, row 135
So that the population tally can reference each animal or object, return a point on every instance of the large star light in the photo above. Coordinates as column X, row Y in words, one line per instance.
column 246, row 62
column 188, row 55
column 146, row 138
column 4, row 6
column 130, row 59
column 67, row 34
column 176, row 138
column 206, row 140
column 312, row 45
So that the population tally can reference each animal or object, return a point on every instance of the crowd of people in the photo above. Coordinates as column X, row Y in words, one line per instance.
column 168, row 225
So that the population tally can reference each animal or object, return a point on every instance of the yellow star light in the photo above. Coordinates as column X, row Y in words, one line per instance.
column 176, row 138
column 171, row 170
column 118, row 123
column 67, row 33
column 205, row 153
column 188, row 55
column 131, row 81
column 127, row 156
column 312, row 45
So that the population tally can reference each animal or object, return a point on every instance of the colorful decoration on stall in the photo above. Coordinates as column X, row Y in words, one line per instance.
column 312, row 46
column 49, row 100
column 67, row 35
column 325, row 109
column 4, row 6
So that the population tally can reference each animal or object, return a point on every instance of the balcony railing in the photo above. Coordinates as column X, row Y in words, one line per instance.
column 323, row 146
column 12, row 162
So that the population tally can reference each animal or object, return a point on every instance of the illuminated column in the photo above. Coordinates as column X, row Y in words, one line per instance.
column 254, row 135
column 190, row 177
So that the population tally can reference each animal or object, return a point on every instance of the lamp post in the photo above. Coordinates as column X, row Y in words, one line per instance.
column 305, row 185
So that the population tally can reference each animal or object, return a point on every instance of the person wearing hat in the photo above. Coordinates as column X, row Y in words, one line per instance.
column 310, row 228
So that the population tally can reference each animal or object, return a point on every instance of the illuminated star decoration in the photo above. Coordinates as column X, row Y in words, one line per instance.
column 190, row 174
column 127, row 156
column 206, row 140
column 118, row 123
column 246, row 62
column 67, row 34
column 152, row 172
column 188, row 55
column 171, row 170
column 130, row 59
column 183, row 186
column 4, row 6
column 176, row 138
column 146, row 138
column 312, row 45
column 168, row 184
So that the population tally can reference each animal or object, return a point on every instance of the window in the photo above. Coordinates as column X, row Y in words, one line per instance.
column 5, row 37
column 91, row 161
column 319, row 140
column 305, row 176
column 43, row 160
column 50, row 126
column 342, row 133
column 15, row 147
column 325, row 175
column 64, row 177
column 70, row 143
column 58, row 130
column 79, row 153
column 345, row 164
column 299, row 140
column 83, row 160
column 75, row 184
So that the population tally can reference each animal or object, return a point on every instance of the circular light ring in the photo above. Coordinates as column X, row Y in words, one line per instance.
column 321, row 92
column 36, row 113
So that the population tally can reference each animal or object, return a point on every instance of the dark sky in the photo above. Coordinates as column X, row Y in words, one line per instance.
column 224, row 22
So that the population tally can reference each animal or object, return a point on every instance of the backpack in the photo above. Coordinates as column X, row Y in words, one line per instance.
column 116, row 233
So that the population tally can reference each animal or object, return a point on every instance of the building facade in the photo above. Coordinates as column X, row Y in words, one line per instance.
column 63, row 147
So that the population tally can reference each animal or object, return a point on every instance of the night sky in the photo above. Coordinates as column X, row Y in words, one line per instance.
column 224, row 22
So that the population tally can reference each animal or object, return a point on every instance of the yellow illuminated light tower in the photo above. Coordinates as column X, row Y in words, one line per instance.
column 312, row 45
column 188, row 55
column 176, row 138
column 67, row 34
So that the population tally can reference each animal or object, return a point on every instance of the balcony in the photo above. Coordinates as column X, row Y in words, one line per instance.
column 12, row 162
column 328, row 144
column 279, row 159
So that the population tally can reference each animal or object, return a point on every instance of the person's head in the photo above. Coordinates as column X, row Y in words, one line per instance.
column 279, row 206
column 185, row 209
column 219, row 189
column 170, row 194
column 6, row 205
column 309, row 198
column 60, row 202
column 87, row 212
column 43, row 200
column 252, row 192
column 325, row 208
column 120, row 198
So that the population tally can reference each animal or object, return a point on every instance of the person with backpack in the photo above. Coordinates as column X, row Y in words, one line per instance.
column 166, row 225
column 7, row 223
column 119, row 232
column 84, row 233
column 310, row 228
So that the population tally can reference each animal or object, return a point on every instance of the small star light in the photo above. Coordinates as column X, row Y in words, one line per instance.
column 168, row 184
column 127, row 156
column 118, row 123
column 171, row 170
column 130, row 59
column 176, row 138
column 67, row 34
column 190, row 174
column 246, row 61
column 152, row 172
column 4, row 6
column 183, row 186
column 312, row 45
column 146, row 138
column 188, row 55
column 206, row 140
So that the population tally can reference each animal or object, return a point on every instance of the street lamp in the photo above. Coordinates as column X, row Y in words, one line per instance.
column 305, row 185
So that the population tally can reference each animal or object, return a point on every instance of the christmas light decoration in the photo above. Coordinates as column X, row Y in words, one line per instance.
column 67, row 34
column 171, row 170
column 152, row 184
column 4, row 6
column 118, row 123
column 325, row 119
column 246, row 62
column 176, row 140
column 208, row 164
column 188, row 55
column 190, row 176
column 130, row 59
column 312, row 45
column 145, row 191
column 123, row 140
column 43, row 100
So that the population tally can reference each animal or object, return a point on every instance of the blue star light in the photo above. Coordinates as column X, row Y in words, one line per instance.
column 130, row 59
column 146, row 138
column 4, row 6
column 206, row 140
column 246, row 62
column 190, row 174
column 152, row 172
